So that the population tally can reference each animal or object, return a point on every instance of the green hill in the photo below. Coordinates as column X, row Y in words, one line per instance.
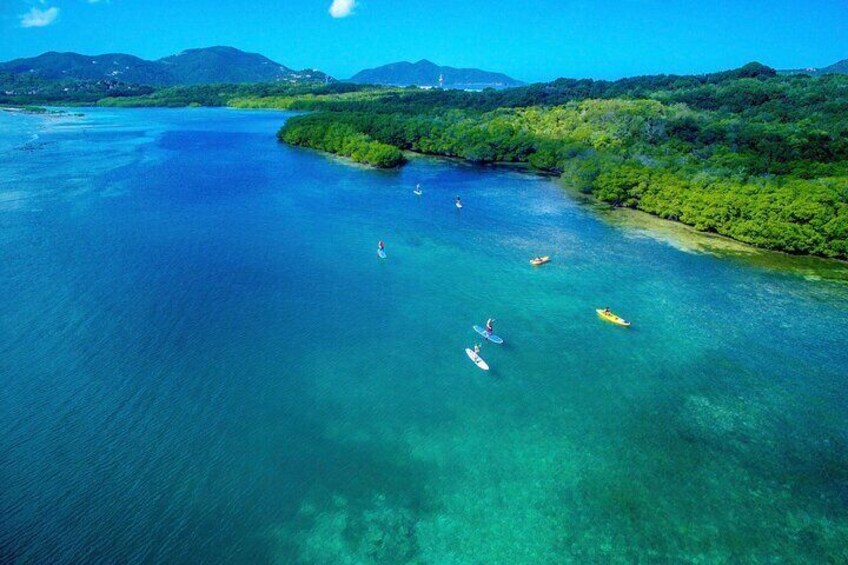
column 114, row 66
column 425, row 73
column 194, row 66
column 840, row 67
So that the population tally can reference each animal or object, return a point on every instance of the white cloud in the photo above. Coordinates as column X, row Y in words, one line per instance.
column 342, row 8
column 37, row 17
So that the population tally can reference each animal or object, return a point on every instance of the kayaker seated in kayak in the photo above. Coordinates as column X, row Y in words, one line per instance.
column 607, row 310
column 490, row 325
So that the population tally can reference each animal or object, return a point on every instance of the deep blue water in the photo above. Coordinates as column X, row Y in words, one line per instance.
column 203, row 360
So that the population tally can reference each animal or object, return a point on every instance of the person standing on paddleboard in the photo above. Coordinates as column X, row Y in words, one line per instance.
column 490, row 325
column 380, row 245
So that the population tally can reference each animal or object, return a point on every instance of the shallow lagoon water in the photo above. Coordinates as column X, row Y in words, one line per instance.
column 203, row 360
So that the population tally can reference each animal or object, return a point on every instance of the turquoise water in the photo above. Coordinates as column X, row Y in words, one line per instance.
column 203, row 360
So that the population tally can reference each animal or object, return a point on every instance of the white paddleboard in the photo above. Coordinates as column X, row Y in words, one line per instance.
column 381, row 254
column 477, row 359
column 458, row 205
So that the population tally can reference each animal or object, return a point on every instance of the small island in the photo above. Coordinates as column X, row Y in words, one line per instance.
column 36, row 110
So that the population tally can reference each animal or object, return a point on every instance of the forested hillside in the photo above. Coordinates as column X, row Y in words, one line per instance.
column 746, row 153
column 208, row 65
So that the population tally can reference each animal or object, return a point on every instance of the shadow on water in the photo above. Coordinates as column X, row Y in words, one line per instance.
column 361, row 504
column 684, row 460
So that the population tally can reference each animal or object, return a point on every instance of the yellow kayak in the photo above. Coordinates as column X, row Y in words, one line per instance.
column 539, row 260
column 612, row 318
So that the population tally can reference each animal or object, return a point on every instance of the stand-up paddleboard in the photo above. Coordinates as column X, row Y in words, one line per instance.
column 488, row 335
column 458, row 205
column 417, row 192
column 381, row 253
column 477, row 359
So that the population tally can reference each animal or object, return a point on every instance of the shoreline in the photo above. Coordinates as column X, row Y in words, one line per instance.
column 681, row 236
column 526, row 168
column 30, row 110
column 45, row 111
column 726, row 247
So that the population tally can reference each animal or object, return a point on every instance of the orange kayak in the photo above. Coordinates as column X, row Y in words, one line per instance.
column 539, row 260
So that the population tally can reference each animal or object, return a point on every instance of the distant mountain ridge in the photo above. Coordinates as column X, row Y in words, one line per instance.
column 194, row 66
column 426, row 73
column 840, row 67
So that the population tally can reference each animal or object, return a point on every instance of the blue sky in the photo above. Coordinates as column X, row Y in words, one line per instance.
column 530, row 40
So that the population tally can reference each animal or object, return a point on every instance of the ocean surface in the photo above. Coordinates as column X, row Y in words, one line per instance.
column 202, row 360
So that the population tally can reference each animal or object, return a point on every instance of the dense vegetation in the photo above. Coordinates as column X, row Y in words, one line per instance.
column 24, row 90
column 342, row 139
column 746, row 153
column 227, row 94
